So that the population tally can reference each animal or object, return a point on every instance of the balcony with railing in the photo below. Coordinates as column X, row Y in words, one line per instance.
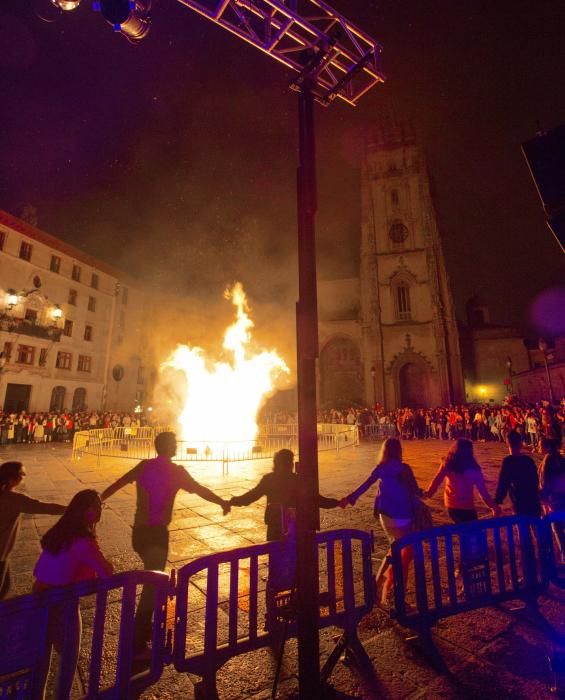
column 24, row 326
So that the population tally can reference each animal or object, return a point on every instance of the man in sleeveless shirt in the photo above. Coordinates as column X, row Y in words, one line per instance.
column 157, row 481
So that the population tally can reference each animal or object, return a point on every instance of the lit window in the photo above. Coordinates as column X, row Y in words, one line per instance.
column 55, row 265
column 84, row 363
column 25, row 354
column 25, row 251
column 76, row 273
column 68, row 329
column 92, row 303
column 73, row 297
column 94, row 281
column 64, row 360
column 88, row 332
column 402, row 301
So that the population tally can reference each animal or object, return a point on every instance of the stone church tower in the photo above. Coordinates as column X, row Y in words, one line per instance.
column 391, row 336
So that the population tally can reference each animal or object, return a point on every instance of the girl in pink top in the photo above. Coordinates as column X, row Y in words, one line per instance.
column 70, row 554
column 70, row 548
column 462, row 474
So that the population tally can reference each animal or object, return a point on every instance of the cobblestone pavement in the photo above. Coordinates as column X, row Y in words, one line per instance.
column 492, row 653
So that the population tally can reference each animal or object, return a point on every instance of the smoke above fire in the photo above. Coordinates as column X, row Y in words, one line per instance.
column 218, row 398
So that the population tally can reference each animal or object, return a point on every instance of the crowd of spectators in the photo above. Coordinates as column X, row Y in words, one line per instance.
column 478, row 423
column 53, row 426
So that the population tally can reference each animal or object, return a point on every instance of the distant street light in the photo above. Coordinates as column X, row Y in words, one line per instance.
column 543, row 347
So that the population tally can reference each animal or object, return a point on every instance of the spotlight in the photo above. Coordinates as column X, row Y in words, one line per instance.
column 66, row 5
column 130, row 17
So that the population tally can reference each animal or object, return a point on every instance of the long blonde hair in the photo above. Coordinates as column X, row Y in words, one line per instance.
column 391, row 450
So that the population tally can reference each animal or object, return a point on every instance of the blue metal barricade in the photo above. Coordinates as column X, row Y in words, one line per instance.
column 464, row 567
column 31, row 624
column 226, row 605
column 555, row 523
column 223, row 600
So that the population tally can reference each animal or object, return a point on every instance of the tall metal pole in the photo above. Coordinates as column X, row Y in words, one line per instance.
column 308, row 516
column 548, row 379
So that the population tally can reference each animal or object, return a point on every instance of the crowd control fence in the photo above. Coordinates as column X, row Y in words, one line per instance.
column 378, row 431
column 243, row 599
column 225, row 604
column 228, row 603
column 458, row 568
column 30, row 625
column 138, row 443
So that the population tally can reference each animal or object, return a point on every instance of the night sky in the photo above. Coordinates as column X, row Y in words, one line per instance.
column 175, row 158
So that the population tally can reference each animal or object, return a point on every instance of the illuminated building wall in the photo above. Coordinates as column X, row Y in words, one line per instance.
column 63, row 336
column 400, row 345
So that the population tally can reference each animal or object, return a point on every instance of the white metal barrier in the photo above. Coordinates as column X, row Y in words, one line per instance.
column 138, row 443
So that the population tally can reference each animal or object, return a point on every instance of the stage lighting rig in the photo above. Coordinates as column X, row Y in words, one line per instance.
column 131, row 18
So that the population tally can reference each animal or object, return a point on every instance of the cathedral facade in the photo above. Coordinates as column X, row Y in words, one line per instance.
column 390, row 336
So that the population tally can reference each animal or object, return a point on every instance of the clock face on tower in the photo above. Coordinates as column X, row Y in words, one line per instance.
column 398, row 232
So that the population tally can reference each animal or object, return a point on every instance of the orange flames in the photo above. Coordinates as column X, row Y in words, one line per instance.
column 224, row 397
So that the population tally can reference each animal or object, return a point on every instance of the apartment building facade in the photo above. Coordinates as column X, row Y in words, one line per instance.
column 70, row 331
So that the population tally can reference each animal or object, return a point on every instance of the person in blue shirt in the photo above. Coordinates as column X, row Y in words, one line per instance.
column 394, row 503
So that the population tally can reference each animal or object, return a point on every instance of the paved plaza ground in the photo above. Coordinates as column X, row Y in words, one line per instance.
column 492, row 653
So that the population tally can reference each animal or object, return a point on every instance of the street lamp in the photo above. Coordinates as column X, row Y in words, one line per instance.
column 543, row 347
column 11, row 299
column 57, row 313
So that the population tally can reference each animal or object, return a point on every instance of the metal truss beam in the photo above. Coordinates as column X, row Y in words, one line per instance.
column 294, row 32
